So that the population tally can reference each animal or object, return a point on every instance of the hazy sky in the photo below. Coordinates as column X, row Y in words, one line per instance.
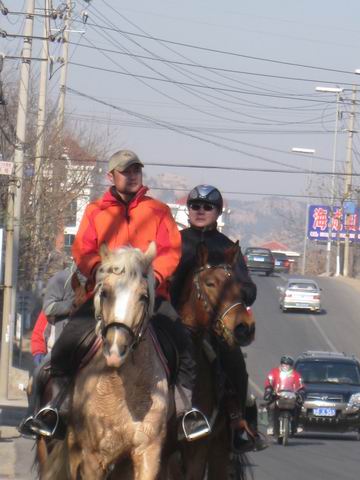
column 227, row 115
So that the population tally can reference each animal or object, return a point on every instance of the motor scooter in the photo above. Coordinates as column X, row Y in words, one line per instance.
column 286, row 403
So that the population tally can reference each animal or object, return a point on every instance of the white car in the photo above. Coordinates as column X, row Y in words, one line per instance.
column 300, row 293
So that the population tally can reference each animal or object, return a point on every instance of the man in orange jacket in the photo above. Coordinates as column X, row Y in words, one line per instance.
column 125, row 215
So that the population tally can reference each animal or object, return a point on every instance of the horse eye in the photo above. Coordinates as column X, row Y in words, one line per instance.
column 210, row 284
column 104, row 294
column 144, row 297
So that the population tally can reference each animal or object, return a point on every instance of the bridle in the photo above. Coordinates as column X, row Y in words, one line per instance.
column 137, row 335
column 218, row 322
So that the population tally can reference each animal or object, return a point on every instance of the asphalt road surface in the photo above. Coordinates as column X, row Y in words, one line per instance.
column 308, row 456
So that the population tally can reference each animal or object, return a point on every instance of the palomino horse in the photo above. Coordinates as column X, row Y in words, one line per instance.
column 120, row 400
column 212, row 308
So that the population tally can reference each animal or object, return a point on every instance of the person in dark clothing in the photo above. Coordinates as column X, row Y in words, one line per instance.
column 205, row 205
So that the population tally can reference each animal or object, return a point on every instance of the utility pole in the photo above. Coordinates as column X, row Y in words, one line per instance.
column 14, row 206
column 331, row 222
column 41, row 119
column 348, row 179
column 64, row 68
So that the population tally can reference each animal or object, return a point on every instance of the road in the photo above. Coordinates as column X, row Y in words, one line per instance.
column 330, row 457
column 333, row 457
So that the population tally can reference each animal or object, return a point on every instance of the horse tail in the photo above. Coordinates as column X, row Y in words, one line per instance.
column 56, row 464
column 41, row 454
column 241, row 469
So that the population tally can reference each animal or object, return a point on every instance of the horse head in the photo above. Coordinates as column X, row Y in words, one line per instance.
column 217, row 298
column 124, row 300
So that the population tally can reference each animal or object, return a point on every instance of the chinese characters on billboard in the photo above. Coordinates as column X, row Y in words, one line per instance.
column 319, row 222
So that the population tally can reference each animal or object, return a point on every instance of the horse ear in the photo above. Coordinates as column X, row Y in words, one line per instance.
column 104, row 252
column 202, row 254
column 232, row 254
column 150, row 254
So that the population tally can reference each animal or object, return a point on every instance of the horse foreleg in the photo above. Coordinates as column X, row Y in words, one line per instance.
column 147, row 461
column 90, row 467
column 219, row 456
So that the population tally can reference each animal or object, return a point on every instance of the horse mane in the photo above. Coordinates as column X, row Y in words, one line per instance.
column 129, row 263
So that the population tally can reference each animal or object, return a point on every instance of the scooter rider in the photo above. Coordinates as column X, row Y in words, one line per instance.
column 284, row 377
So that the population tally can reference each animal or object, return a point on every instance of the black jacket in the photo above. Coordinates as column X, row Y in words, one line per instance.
column 216, row 243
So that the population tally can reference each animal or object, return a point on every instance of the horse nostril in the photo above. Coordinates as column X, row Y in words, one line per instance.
column 122, row 350
column 244, row 334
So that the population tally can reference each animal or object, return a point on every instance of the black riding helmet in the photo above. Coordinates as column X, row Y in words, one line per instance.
column 287, row 360
column 206, row 194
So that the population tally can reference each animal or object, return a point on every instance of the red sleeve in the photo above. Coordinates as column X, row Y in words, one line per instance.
column 168, row 245
column 85, row 249
column 270, row 379
column 38, row 344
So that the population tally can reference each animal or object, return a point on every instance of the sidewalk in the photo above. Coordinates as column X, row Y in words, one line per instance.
column 16, row 455
column 352, row 282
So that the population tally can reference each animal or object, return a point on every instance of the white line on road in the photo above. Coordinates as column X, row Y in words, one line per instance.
column 255, row 387
column 323, row 334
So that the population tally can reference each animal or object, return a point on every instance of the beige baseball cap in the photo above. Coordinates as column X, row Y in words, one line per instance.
column 122, row 159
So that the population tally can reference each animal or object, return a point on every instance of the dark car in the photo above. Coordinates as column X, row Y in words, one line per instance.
column 332, row 397
column 259, row 259
column 282, row 264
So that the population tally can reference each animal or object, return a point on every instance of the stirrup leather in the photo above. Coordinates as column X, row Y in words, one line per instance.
column 50, row 431
column 202, row 431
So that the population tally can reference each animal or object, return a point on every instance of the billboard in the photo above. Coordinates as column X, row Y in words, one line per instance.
column 320, row 220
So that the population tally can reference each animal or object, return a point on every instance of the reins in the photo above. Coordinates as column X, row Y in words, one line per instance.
column 136, row 336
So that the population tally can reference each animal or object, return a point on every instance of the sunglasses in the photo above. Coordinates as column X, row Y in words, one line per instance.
column 205, row 206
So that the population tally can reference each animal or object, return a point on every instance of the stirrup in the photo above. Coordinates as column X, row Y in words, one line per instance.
column 201, row 431
column 40, row 425
column 25, row 428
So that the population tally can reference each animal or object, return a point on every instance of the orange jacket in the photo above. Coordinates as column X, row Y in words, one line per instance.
column 111, row 221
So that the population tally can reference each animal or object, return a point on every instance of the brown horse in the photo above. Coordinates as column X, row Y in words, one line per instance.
column 211, row 307
column 120, row 402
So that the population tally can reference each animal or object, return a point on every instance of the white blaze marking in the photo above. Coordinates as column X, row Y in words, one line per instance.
column 121, row 306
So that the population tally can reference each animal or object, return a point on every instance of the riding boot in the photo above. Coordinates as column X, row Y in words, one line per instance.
column 40, row 377
column 50, row 420
column 193, row 424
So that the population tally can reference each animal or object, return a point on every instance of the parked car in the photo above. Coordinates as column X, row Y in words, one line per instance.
column 332, row 391
column 282, row 264
column 259, row 260
column 300, row 293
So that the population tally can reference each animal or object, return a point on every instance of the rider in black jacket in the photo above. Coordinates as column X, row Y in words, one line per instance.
column 205, row 205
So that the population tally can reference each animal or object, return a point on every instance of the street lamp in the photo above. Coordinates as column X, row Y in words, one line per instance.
column 305, row 151
column 337, row 91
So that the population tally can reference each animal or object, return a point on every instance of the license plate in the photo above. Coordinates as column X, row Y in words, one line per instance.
column 277, row 263
column 301, row 305
column 259, row 259
column 324, row 412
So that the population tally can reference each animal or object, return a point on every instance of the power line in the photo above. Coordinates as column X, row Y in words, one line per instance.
column 209, row 67
column 224, row 52
column 147, row 77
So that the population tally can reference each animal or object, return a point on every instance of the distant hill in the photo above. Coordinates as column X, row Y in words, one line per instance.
column 252, row 222
column 268, row 219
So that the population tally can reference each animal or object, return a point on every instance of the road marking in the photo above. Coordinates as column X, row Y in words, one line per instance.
column 323, row 334
column 255, row 387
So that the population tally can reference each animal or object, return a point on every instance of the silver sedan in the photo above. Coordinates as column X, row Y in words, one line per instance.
column 300, row 293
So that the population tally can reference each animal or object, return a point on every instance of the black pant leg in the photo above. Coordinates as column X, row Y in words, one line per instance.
column 234, row 367
column 63, row 356
column 166, row 318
